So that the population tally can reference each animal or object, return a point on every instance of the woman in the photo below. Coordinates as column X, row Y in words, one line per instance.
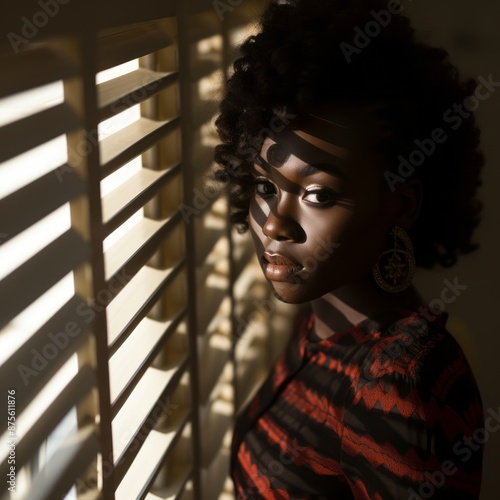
column 350, row 164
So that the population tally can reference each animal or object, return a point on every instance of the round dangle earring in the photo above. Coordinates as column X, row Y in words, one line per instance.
column 395, row 268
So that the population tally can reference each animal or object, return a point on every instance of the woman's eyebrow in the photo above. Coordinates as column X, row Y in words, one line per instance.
column 311, row 169
column 334, row 163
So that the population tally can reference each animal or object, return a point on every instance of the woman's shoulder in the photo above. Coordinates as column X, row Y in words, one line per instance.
column 413, row 344
column 417, row 407
column 419, row 354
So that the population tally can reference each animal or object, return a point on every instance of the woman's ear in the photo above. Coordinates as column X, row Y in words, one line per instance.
column 408, row 203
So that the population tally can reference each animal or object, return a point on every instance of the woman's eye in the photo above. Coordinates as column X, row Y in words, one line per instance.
column 321, row 197
column 264, row 187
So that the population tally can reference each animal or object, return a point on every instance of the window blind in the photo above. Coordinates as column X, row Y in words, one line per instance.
column 134, row 322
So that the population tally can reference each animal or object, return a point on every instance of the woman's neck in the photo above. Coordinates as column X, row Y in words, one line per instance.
column 351, row 304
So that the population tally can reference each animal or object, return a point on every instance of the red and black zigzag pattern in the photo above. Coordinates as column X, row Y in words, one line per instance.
column 373, row 412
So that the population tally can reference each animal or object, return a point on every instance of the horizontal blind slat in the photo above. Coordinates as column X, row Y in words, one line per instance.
column 205, row 113
column 207, row 208
column 177, row 480
column 201, row 157
column 131, row 195
column 41, row 272
column 133, row 251
column 141, row 412
column 211, row 229
column 204, row 22
column 29, row 132
column 129, row 44
column 211, row 298
column 69, row 462
column 212, row 362
column 33, row 67
column 125, row 145
column 208, row 275
column 205, row 66
column 69, row 326
column 118, row 94
column 130, row 306
column 130, row 362
column 150, row 458
column 214, row 429
column 38, row 199
column 243, row 254
column 30, row 442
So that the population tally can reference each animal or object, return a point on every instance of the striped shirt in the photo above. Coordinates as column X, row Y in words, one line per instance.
column 387, row 409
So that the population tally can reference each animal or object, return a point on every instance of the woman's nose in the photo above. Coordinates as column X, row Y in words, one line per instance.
column 282, row 225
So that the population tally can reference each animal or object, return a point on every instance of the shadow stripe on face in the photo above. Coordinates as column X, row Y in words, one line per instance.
column 328, row 131
column 311, row 154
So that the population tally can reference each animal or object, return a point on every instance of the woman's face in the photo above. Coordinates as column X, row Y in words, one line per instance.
column 319, row 215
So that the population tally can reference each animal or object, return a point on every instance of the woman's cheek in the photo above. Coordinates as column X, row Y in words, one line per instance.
column 256, row 220
column 328, row 227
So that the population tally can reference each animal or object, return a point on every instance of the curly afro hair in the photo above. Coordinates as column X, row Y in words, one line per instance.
column 305, row 57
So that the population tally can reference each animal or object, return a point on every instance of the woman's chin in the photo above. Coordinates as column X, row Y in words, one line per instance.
column 292, row 293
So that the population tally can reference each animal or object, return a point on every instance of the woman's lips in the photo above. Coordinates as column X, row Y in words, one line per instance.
column 277, row 267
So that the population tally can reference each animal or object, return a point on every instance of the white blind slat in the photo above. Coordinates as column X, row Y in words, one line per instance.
column 73, row 457
column 34, row 130
column 140, row 475
column 76, row 389
column 132, row 43
column 215, row 428
column 59, row 337
column 34, row 67
column 127, row 90
column 38, row 199
column 133, row 250
column 134, row 193
column 204, row 22
column 206, row 66
column 212, row 297
column 142, row 411
column 156, row 448
column 162, row 287
column 212, row 363
column 123, row 146
column 137, row 354
column 132, row 303
column 38, row 274
column 178, row 477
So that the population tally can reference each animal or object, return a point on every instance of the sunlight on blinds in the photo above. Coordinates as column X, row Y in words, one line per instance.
column 106, row 129
column 130, row 330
